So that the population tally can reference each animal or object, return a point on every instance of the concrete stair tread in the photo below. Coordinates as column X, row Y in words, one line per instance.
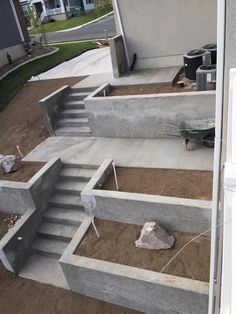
column 78, row 173
column 70, row 186
column 79, row 93
column 57, row 231
column 84, row 129
column 49, row 246
column 73, row 111
column 66, row 201
column 63, row 215
column 73, row 120
column 44, row 269
column 73, row 131
column 74, row 102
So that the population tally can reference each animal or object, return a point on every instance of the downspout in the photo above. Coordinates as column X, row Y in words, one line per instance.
column 117, row 10
column 218, row 149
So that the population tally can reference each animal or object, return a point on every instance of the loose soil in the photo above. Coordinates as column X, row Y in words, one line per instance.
column 27, row 170
column 116, row 244
column 147, row 89
column 21, row 122
column 7, row 221
column 166, row 182
column 36, row 52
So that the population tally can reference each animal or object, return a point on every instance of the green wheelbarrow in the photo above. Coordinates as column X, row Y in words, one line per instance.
column 198, row 131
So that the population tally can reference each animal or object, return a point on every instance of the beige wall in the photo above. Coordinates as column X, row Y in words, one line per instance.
column 15, row 52
column 161, row 31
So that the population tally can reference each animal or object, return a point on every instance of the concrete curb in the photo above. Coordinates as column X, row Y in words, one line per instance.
column 20, row 65
column 80, row 26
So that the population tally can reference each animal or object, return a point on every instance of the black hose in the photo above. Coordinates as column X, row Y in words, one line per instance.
column 133, row 62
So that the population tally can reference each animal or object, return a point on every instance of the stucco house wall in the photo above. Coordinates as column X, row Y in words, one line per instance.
column 12, row 31
column 160, row 32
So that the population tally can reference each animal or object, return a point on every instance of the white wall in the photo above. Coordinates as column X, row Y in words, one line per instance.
column 88, row 6
column 161, row 31
column 15, row 52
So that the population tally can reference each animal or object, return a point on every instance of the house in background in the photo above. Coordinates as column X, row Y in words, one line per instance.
column 59, row 10
column 13, row 31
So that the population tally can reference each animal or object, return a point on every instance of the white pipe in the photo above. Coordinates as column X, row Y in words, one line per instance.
column 95, row 228
column 117, row 10
column 114, row 170
column 218, row 148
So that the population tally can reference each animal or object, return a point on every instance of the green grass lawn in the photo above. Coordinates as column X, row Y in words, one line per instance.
column 73, row 22
column 12, row 83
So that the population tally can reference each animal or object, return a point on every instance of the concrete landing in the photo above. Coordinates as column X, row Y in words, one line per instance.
column 45, row 270
column 153, row 153
column 161, row 76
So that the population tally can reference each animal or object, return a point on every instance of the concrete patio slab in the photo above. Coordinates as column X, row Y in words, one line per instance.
column 95, row 80
column 91, row 62
column 153, row 153
column 155, row 76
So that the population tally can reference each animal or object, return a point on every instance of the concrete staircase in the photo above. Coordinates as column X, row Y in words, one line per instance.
column 60, row 221
column 73, row 119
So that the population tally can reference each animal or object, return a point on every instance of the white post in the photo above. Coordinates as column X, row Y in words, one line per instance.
column 115, row 176
column 44, row 8
column 62, row 6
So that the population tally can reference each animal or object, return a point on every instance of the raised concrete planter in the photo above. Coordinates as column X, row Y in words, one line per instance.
column 51, row 106
column 135, row 288
column 180, row 214
column 29, row 199
column 155, row 115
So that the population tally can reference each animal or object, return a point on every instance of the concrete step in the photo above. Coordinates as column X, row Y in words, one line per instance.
column 57, row 231
column 44, row 269
column 74, row 104
column 49, row 247
column 79, row 174
column 78, row 95
column 73, row 113
column 70, row 187
column 82, row 89
column 64, row 216
column 82, row 131
column 73, row 122
column 66, row 165
column 66, row 201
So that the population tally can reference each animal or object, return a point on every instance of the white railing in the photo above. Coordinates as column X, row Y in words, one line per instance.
column 228, row 289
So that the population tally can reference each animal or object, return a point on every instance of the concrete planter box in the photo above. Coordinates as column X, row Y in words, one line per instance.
column 29, row 199
column 135, row 288
column 186, row 215
column 154, row 115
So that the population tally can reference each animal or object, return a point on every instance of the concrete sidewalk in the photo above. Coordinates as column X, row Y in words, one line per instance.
column 92, row 62
column 152, row 153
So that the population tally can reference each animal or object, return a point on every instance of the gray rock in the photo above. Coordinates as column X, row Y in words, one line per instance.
column 10, row 163
column 154, row 237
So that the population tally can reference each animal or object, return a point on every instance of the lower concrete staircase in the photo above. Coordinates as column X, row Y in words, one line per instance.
column 60, row 221
column 73, row 119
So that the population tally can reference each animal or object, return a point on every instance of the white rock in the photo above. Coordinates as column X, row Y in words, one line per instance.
column 10, row 163
column 154, row 237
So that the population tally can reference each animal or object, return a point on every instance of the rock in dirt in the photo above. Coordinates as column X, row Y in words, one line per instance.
column 10, row 163
column 154, row 237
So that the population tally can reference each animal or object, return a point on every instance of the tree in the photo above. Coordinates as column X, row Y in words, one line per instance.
column 102, row 5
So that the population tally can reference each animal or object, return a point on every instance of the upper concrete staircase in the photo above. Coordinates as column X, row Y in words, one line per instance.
column 60, row 221
column 73, row 119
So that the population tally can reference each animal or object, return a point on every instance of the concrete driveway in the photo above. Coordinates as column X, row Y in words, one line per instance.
column 98, row 29
column 92, row 62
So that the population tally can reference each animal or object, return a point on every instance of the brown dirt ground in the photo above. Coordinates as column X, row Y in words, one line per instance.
column 148, row 89
column 27, row 170
column 22, row 296
column 7, row 221
column 167, row 182
column 21, row 122
column 116, row 244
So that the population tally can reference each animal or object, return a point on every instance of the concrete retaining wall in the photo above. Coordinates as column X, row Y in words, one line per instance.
column 145, row 116
column 17, row 197
column 31, row 200
column 132, row 287
column 118, row 58
column 180, row 214
column 51, row 106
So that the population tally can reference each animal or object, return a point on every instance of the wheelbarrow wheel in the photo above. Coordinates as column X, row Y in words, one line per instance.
column 209, row 141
